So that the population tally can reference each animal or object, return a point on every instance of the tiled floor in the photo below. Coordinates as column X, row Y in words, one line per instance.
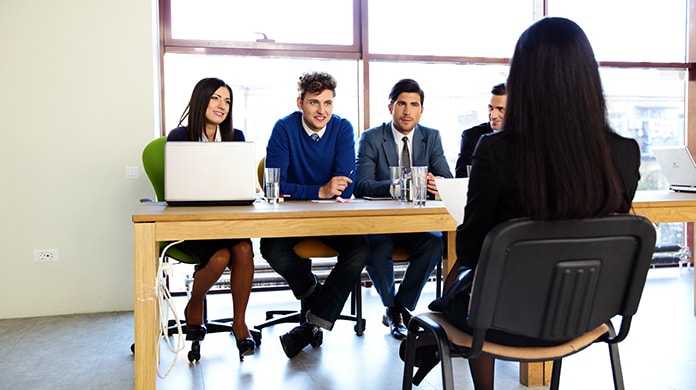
column 92, row 351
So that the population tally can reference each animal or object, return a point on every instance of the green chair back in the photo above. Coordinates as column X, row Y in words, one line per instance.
column 153, row 163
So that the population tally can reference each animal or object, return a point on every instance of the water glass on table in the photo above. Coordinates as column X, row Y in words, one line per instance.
column 271, row 179
column 395, row 174
column 406, row 193
column 419, row 183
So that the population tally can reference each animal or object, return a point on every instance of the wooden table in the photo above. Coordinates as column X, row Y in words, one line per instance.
column 667, row 206
column 154, row 222
column 658, row 207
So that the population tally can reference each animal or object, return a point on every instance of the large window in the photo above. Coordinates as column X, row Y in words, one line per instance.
column 264, row 88
column 629, row 30
column 448, row 28
column 268, row 21
column 456, row 95
column 457, row 50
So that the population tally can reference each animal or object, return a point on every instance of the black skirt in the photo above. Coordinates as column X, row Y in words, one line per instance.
column 203, row 250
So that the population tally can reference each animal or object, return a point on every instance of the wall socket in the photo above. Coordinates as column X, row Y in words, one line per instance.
column 46, row 255
column 132, row 172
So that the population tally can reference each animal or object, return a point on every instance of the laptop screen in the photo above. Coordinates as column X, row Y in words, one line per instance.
column 678, row 167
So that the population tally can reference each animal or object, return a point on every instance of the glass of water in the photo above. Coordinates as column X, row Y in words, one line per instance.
column 395, row 182
column 271, row 179
column 419, row 177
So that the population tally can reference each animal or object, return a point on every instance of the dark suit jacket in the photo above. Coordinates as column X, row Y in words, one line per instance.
column 493, row 195
column 377, row 152
column 470, row 138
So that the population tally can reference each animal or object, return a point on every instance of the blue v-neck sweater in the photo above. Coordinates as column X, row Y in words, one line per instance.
column 305, row 164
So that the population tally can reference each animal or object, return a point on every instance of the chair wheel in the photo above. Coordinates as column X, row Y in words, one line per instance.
column 195, row 352
column 133, row 348
column 256, row 335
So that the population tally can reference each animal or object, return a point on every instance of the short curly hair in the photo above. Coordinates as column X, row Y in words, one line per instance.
column 315, row 82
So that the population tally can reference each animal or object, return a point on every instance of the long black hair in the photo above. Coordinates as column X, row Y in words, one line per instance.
column 557, row 113
column 197, row 106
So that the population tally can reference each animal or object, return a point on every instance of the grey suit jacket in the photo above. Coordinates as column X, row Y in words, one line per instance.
column 377, row 152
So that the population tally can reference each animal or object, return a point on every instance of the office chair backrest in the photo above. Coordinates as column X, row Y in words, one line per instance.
column 153, row 163
column 307, row 248
column 260, row 170
column 557, row 280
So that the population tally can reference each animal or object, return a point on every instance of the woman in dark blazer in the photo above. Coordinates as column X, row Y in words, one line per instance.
column 556, row 159
column 210, row 120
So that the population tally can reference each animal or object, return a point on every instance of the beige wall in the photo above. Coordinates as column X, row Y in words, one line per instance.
column 78, row 101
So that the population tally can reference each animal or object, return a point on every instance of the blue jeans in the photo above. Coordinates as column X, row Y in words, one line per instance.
column 426, row 252
column 328, row 304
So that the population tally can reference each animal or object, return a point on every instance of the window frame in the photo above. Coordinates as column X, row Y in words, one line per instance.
column 359, row 50
column 185, row 46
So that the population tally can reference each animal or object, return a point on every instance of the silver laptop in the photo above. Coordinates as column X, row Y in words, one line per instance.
column 209, row 173
column 677, row 166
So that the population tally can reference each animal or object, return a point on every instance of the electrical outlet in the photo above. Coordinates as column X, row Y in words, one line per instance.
column 45, row 255
column 132, row 172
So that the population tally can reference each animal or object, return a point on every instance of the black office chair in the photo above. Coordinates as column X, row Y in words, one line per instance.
column 551, row 281
column 309, row 249
column 153, row 164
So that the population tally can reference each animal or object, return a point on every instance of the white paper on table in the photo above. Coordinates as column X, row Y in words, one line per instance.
column 453, row 195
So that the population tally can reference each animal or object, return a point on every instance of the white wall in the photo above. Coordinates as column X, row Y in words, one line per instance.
column 79, row 96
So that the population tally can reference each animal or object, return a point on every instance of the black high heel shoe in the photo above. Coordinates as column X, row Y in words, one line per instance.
column 425, row 354
column 427, row 357
column 245, row 346
column 194, row 332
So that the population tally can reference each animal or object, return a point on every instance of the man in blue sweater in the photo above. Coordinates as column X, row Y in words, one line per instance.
column 315, row 152
column 401, row 142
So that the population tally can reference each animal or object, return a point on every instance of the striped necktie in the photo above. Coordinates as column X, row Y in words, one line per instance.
column 315, row 136
column 405, row 155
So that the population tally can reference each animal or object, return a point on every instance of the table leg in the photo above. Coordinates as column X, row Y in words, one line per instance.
column 145, row 314
column 536, row 374
column 450, row 253
column 690, row 229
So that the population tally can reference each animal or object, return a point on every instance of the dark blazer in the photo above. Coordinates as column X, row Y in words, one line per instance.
column 470, row 138
column 493, row 195
column 377, row 152
column 179, row 134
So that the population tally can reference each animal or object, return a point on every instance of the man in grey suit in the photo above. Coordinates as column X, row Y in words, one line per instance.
column 401, row 142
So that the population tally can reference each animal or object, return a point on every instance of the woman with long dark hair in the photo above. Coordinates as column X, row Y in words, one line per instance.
column 556, row 158
column 210, row 120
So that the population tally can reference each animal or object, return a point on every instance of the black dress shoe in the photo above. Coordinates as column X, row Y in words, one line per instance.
column 392, row 319
column 299, row 337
